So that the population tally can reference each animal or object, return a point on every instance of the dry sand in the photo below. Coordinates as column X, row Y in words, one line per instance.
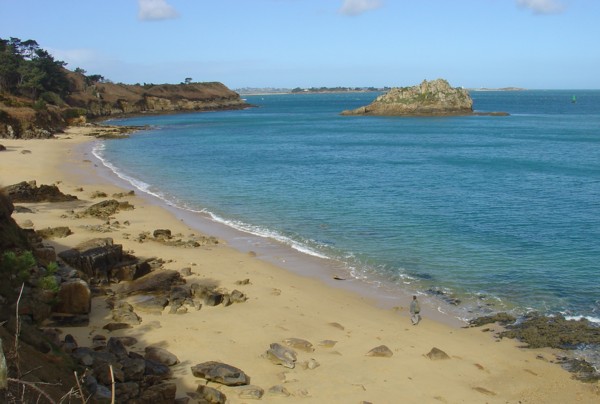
column 284, row 305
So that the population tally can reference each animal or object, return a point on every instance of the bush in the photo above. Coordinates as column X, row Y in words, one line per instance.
column 13, row 266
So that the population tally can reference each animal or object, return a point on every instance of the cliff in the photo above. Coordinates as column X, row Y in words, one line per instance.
column 430, row 98
column 23, row 118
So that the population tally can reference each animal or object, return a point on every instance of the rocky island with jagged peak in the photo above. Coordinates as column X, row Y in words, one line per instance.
column 430, row 98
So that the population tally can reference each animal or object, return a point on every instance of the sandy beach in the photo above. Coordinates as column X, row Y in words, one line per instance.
column 342, row 326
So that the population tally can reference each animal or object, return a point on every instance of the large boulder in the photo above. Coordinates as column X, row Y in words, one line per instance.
column 221, row 373
column 74, row 297
column 94, row 257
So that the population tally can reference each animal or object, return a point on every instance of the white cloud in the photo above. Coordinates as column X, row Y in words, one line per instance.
column 542, row 6
column 153, row 10
column 356, row 7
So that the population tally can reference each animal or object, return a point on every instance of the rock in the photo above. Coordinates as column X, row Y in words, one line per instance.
column 250, row 392
column 381, row 351
column 151, row 304
column 116, row 326
column 310, row 364
column 156, row 369
column 123, row 313
column 430, row 98
column 162, row 233
column 133, row 368
column 116, row 347
column 127, row 391
column 105, row 209
column 30, row 192
column 221, row 373
column 278, row 391
column 327, row 343
column 95, row 257
column 2, row 148
column 437, row 354
column 211, row 395
column 98, row 194
column 156, row 281
column 129, row 270
column 555, row 332
column 74, row 297
column 237, row 297
column 500, row 318
column 300, row 344
column 213, row 299
column 280, row 355
column 163, row 393
column 160, row 355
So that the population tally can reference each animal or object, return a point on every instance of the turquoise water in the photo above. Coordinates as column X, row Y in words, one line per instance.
column 499, row 213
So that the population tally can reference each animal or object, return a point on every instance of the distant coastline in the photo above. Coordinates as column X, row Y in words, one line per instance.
column 331, row 90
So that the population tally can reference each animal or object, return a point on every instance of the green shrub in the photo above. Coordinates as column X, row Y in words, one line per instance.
column 16, row 266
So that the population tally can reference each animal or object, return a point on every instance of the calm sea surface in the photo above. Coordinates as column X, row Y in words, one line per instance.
column 499, row 213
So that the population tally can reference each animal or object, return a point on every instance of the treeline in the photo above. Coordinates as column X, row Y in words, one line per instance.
column 29, row 71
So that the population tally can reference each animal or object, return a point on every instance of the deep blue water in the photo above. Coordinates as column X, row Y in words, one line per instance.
column 499, row 212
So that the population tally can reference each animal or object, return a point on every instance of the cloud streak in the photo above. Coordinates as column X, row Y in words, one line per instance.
column 542, row 6
column 356, row 7
column 156, row 10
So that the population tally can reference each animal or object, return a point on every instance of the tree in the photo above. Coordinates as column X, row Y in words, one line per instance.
column 188, row 80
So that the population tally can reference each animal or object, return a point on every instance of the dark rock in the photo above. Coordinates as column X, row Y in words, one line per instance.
column 30, row 192
column 500, row 318
column 162, row 233
column 54, row 232
column 581, row 369
column 539, row 331
column 210, row 395
column 74, row 297
column 156, row 369
column 105, row 209
column 381, row 351
column 160, row 355
column 281, row 355
column 115, row 346
column 22, row 209
column 116, row 326
column 213, row 299
column 437, row 354
column 163, row 393
column 126, row 391
column 133, row 368
column 129, row 270
column 237, row 297
column 94, row 257
column 220, row 373
column 2, row 147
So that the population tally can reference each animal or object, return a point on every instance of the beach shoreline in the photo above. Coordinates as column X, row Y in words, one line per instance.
column 282, row 304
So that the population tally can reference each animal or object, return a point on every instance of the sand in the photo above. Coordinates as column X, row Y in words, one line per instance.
column 282, row 304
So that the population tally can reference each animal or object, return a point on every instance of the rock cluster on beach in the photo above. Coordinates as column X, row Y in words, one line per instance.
column 430, row 98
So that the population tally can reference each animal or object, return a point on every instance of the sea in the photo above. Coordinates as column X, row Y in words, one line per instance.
column 476, row 214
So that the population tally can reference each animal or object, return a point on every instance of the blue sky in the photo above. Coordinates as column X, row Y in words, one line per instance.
column 302, row 43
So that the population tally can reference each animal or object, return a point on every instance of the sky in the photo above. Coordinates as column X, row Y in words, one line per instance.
column 536, row 44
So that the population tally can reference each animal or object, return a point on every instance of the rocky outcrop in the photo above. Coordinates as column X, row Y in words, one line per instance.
column 22, row 118
column 430, row 98
column 30, row 192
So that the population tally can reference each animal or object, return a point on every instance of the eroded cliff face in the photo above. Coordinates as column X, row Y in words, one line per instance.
column 430, row 98
column 19, row 119
column 107, row 99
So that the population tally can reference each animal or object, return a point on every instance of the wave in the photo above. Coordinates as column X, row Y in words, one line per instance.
column 142, row 186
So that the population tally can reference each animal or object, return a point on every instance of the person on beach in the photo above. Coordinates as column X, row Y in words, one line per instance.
column 415, row 309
